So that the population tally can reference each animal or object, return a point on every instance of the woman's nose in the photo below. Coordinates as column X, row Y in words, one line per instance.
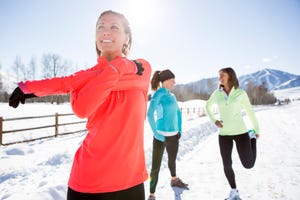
column 106, row 32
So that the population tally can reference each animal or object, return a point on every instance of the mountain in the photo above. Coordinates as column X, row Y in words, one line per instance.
column 271, row 78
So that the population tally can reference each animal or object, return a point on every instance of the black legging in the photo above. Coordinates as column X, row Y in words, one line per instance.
column 171, row 144
column 246, row 149
column 136, row 192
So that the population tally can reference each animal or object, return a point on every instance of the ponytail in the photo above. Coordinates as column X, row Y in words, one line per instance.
column 155, row 80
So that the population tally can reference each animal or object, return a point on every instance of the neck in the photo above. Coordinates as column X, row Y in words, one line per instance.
column 110, row 57
column 227, row 89
column 163, row 86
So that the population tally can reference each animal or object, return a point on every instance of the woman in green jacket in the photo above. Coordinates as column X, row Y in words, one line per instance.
column 231, row 101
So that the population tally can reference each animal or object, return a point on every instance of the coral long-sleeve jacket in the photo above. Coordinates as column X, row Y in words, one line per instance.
column 114, row 100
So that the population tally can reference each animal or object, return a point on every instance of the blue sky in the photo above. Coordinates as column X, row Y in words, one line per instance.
column 193, row 38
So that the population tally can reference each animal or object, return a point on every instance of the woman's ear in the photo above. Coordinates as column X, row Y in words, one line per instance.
column 97, row 50
column 127, row 40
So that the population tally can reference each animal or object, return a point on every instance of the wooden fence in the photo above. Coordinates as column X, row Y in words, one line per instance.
column 55, row 127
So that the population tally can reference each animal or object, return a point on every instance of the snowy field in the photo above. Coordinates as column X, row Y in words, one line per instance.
column 40, row 169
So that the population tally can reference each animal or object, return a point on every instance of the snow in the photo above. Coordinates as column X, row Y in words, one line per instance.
column 291, row 93
column 40, row 169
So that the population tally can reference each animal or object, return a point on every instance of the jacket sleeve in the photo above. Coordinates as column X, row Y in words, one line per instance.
column 133, row 81
column 59, row 85
column 209, row 107
column 89, row 88
column 151, row 118
column 179, row 116
column 86, row 100
column 250, row 113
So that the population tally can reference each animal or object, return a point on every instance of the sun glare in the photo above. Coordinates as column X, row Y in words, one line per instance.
column 142, row 13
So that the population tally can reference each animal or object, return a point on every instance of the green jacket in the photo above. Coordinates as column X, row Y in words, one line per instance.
column 230, row 109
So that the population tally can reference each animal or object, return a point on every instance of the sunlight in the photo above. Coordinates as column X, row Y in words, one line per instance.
column 142, row 13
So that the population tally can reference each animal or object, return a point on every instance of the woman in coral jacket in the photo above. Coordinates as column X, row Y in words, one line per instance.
column 164, row 117
column 231, row 101
column 112, row 95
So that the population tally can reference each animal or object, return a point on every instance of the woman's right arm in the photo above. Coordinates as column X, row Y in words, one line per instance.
column 209, row 107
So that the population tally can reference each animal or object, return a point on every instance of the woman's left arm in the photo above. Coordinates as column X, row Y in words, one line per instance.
column 133, row 81
column 179, row 116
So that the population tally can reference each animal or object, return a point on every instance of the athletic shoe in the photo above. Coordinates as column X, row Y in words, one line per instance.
column 178, row 183
column 151, row 197
column 234, row 195
column 251, row 134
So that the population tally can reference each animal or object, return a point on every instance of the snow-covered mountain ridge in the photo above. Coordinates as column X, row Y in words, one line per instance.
column 271, row 78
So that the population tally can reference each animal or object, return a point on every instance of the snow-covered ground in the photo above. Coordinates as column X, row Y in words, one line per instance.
column 40, row 169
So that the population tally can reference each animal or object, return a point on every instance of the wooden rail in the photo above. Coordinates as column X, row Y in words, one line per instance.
column 185, row 112
column 56, row 126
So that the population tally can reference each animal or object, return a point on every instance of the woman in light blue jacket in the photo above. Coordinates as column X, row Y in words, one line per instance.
column 164, row 117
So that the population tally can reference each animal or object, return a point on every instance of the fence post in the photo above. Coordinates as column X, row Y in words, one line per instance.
column 1, row 129
column 56, row 124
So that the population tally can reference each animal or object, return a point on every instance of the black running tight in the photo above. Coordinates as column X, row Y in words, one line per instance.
column 171, row 144
column 136, row 192
column 246, row 149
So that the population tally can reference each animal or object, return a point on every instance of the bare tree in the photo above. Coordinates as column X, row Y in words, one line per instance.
column 1, row 83
column 53, row 66
column 259, row 94
column 32, row 68
column 18, row 68
column 3, row 94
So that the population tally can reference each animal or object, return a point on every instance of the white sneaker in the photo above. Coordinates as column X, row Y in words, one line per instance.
column 251, row 134
column 234, row 195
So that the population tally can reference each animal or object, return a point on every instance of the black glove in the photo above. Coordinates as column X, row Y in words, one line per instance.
column 139, row 67
column 18, row 96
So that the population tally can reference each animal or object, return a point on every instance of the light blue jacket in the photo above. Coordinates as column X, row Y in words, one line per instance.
column 168, row 116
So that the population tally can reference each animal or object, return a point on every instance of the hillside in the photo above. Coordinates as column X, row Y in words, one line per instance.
column 271, row 78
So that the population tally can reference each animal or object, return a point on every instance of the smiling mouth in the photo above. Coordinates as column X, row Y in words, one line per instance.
column 106, row 41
